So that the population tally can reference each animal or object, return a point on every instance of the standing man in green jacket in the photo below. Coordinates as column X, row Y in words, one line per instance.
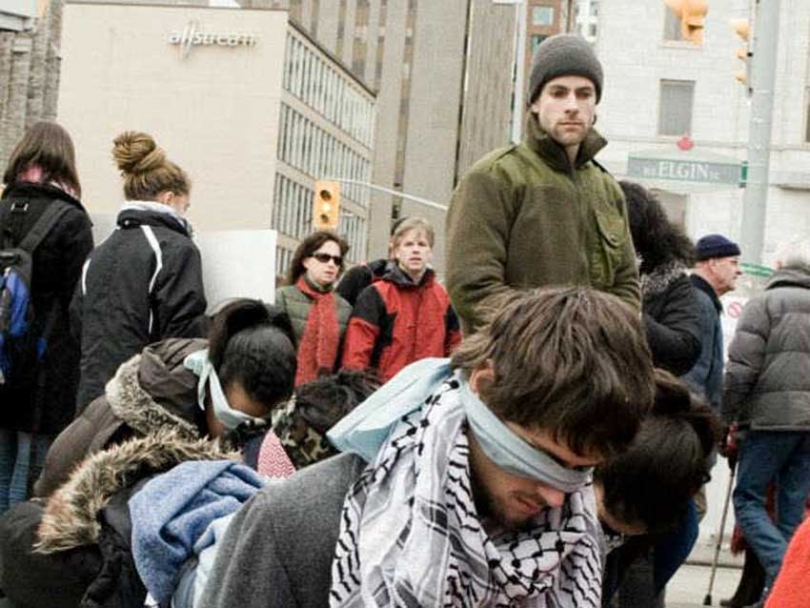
column 542, row 212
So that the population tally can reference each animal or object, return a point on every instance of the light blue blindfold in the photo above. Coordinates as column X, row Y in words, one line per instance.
column 512, row 453
column 201, row 366
column 365, row 429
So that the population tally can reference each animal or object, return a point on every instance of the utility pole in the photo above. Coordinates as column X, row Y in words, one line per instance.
column 519, row 100
column 763, row 82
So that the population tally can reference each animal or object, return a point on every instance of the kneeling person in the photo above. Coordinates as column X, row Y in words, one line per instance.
column 468, row 481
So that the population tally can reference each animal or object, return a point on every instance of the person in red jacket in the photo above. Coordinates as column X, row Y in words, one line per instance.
column 790, row 589
column 406, row 315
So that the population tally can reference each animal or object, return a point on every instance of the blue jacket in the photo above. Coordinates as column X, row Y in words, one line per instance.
column 706, row 377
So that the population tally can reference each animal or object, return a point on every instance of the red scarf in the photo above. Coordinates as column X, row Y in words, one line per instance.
column 319, row 343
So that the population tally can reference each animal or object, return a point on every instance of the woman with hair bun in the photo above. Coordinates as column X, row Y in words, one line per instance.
column 144, row 283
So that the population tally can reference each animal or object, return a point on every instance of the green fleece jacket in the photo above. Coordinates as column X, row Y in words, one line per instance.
column 523, row 217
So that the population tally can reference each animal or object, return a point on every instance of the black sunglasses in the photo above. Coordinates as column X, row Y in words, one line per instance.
column 323, row 258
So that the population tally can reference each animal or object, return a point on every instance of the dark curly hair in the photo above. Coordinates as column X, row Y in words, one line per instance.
column 310, row 245
column 657, row 240
column 325, row 400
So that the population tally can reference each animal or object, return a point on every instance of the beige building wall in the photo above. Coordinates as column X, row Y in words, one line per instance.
column 215, row 112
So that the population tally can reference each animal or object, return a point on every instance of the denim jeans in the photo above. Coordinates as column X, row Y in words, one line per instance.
column 672, row 550
column 22, row 456
column 782, row 457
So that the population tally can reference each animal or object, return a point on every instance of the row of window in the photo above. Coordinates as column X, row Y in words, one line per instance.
column 319, row 85
column 292, row 208
column 307, row 147
column 292, row 216
column 284, row 258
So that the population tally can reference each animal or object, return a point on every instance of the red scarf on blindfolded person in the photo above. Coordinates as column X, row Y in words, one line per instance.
column 319, row 342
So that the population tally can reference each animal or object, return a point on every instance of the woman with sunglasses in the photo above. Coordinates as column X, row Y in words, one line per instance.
column 318, row 314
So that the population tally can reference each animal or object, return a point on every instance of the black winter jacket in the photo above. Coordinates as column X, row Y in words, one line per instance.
column 671, row 318
column 141, row 285
column 357, row 278
column 49, row 406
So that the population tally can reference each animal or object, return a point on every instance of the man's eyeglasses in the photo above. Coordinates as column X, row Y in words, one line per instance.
column 323, row 258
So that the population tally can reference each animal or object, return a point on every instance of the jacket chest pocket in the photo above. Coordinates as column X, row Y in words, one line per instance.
column 608, row 252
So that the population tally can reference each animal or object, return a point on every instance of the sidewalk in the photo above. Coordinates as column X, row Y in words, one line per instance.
column 688, row 587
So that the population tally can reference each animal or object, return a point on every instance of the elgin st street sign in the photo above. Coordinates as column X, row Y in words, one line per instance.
column 715, row 171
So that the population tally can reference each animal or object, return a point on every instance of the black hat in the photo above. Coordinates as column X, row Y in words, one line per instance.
column 716, row 246
column 564, row 55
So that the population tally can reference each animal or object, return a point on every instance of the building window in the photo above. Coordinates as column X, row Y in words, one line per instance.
column 672, row 26
column 536, row 40
column 675, row 109
column 543, row 15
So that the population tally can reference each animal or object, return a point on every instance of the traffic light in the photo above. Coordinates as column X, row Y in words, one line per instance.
column 692, row 15
column 326, row 206
column 742, row 27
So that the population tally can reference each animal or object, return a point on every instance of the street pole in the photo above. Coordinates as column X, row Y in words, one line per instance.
column 519, row 100
column 763, row 81
column 410, row 197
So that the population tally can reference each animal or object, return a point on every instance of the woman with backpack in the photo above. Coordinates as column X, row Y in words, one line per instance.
column 45, row 236
column 144, row 282
column 319, row 315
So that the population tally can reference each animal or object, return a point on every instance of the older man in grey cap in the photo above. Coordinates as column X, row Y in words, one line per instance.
column 543, row 212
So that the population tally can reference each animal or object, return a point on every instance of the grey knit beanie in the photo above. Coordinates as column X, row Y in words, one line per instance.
column 564, row 55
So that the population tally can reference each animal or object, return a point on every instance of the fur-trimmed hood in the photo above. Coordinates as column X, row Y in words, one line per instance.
column 70, row 518
column 659, row 280
column 132, row 401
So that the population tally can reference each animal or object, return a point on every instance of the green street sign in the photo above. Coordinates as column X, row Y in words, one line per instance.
column 756, row 270
column 685, row 170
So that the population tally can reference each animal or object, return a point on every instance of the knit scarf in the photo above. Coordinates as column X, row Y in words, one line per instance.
column 319, row 342
column 410, row 534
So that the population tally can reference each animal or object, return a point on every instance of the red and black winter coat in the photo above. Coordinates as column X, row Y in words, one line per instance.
column 396, row 322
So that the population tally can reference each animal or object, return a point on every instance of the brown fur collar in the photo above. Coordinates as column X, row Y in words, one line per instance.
column 132, row 404
column 70, row 516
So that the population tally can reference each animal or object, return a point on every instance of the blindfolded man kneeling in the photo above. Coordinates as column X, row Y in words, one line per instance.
column 465, row 481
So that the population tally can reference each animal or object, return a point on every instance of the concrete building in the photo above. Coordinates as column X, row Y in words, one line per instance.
column 677, row 120
column 29, row 68
column 247, row 103
column 326, row 130
column 443, row 76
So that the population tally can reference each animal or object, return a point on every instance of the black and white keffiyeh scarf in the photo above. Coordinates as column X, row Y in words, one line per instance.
column 410, row 535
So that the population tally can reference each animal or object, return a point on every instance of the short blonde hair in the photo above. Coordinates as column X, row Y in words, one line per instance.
column 413, row 223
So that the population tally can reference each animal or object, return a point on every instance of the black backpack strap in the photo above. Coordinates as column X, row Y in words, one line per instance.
column 49, row 218
column 12, row 220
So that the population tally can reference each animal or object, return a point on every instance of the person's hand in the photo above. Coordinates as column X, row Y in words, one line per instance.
column 729, row 446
